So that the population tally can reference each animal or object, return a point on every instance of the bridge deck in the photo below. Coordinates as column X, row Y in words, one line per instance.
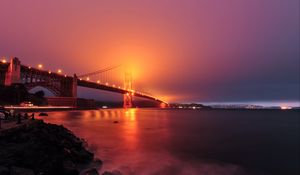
column 93, row 85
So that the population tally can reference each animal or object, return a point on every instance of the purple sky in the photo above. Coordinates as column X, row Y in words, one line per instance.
column 191, row 50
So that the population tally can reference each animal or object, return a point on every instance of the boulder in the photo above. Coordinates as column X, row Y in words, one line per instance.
column 43, row 149
column 43, row 114
column 4, row 170
column 114, row 172
column 20, row 171
column 91, row 171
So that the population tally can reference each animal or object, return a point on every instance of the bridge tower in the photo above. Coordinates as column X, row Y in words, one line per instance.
column 13, row 73
column 127, row 101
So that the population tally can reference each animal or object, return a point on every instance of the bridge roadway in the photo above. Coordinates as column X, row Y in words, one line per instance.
column 90, row 84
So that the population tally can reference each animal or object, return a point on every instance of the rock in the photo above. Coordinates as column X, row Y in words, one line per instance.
column 70, row 168
column 43, row 148
column 98, row 162
column 114, row 172
column 43, row 114
column 4, row 170
column 81, row 155
column 20, row 171
column 91, row 171
column 70, row 171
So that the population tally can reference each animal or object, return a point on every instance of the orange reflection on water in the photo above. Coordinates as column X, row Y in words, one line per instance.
column 130, row 113
column 130, row 129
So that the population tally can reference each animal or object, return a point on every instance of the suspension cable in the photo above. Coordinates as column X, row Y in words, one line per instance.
column 99, row 71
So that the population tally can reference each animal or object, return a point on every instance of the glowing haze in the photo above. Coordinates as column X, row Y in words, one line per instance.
column 191, row 50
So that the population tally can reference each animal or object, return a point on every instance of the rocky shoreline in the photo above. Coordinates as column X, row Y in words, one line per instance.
column 38, row 148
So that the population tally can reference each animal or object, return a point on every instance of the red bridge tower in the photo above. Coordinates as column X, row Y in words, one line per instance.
column 127, row 102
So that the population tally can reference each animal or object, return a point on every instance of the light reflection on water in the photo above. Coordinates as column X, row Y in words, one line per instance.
column 150, row 141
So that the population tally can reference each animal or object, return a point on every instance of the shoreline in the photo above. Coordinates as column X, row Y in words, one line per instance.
column 69, row 108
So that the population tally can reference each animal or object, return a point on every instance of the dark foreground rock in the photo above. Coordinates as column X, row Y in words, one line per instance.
column 40, row 148
column 43, row 114
column 92, row 171
column 115, row 172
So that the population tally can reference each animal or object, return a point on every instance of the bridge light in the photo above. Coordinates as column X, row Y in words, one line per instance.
column 40, row 66
column 3, row 61
column 59, row 71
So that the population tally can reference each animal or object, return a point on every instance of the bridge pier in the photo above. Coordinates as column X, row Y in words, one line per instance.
column 68, row 86
column 13, row 73
column 74, row 89
column 127, row 98
column 74, row 86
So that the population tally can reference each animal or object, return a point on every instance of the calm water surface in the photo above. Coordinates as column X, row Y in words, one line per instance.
column 157, row 141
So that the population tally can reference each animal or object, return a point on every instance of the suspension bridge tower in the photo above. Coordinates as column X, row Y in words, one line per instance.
column 127, row 101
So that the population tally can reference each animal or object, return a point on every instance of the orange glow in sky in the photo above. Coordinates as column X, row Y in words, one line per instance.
column 189, row 50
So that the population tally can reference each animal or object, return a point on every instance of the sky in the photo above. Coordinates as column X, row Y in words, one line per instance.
column 181, row 51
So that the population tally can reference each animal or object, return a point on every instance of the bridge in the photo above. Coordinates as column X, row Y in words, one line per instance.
column 62, row 85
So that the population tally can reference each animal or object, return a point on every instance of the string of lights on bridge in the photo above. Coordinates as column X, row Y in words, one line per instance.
column 59, row 72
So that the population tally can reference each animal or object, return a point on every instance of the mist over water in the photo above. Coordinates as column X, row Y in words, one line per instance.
column 175, row 142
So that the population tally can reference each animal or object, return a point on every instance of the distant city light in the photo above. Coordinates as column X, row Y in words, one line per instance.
column 49, row 72
column 3, row 61
column 40, row 66
column 88, row 78
column 285, row 107
column 59, row 71
column 98, row 81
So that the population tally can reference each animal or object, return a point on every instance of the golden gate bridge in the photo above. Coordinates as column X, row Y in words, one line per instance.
column 65, row 86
